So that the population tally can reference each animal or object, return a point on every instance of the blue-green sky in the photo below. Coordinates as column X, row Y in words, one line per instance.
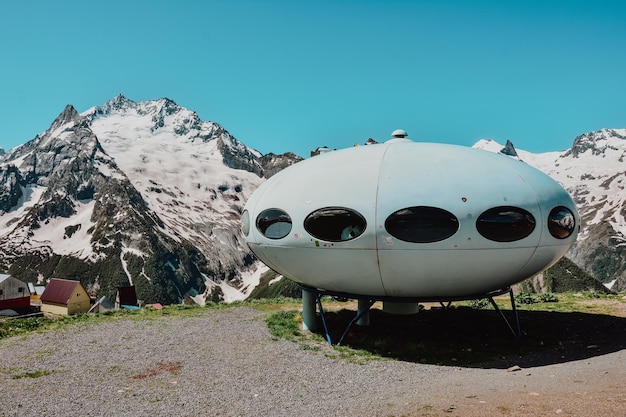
column 294, row 75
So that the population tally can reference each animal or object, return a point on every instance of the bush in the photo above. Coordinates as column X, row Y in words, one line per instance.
column 592, row 293
column 480, row 303
column 526, row 298
column 548, row 298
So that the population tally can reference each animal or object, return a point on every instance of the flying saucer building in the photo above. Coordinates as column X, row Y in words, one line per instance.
column 406, row 220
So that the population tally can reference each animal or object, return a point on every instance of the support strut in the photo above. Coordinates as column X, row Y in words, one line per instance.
column 312, row 297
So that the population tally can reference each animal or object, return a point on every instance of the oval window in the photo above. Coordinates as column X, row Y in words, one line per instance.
column 561, row 222
column 335, row 224
column 273, row 223
column 505, row 224
column 422, row 224
column 245, row 222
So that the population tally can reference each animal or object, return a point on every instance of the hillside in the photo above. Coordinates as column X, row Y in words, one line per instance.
column 142, row 194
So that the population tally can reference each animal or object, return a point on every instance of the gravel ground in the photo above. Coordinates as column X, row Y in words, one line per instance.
column 225, row 363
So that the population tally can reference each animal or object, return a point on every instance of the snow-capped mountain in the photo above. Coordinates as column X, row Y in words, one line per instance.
column 593, row 171
column 146, row 193
column 141, row 193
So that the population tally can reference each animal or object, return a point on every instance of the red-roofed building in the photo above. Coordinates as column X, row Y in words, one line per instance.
column 63, row 297
column 14, row 294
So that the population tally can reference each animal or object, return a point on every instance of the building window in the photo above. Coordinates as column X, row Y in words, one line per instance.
column 422, row 224
column 335, row 224
column 561, row 222
column 20, row 289
column 505, row 224
column 273, row 223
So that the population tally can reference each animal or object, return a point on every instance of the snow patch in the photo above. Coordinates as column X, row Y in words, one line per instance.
column 55, row 232
column 30, row 196
column 250, row 279
column 275, row 280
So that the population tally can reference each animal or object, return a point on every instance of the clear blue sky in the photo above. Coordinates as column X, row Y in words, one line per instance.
column 284, row 75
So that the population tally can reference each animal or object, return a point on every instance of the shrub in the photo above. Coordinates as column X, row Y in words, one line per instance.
column 526, row 298
column 480, row 303
column 548, row 298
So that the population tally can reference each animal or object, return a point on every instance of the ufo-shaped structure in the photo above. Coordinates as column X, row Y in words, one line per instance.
column 405, row 220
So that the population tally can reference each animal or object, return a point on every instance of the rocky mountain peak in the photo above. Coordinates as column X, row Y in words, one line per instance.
column 117, row 104
column 68, row 115
column 509, row 149
column 236, row 155
column 598, row 142
column 163, row 120
column 273, row 163
column 167, row 105
column 158, row 108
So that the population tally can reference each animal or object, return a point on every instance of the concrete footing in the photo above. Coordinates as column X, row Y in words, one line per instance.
column 309, row 309
column 364, row 309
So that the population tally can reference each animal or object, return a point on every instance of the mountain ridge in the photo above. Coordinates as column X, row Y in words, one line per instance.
column 83, row 201
column 146, row 193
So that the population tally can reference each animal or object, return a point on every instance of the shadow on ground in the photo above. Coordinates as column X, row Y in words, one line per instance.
column 480, row 338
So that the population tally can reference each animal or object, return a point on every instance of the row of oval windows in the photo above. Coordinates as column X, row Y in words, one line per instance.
column 419, row 224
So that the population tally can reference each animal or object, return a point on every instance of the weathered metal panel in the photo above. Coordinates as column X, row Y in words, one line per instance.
column 11, row 287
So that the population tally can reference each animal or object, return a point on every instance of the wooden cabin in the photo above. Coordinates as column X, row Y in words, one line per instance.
column 65, row 297
column 14, row 294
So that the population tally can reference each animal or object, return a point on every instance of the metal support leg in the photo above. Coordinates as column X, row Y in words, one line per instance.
column 361, row 312
column 319, row 303
column 514, row 309
column 312, row 298
column 517, row 332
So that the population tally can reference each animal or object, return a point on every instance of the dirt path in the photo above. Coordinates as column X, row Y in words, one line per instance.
column 225, row 363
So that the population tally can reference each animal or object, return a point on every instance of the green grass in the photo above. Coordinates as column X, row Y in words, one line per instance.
column 272, row 304
column 284, row 324
column 15, row 327
column 32, row 374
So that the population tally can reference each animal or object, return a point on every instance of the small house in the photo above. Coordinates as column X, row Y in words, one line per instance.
column 102, row 305
column 35, row 293
column 14, row 294
column 64, row 297
column 126, row 298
